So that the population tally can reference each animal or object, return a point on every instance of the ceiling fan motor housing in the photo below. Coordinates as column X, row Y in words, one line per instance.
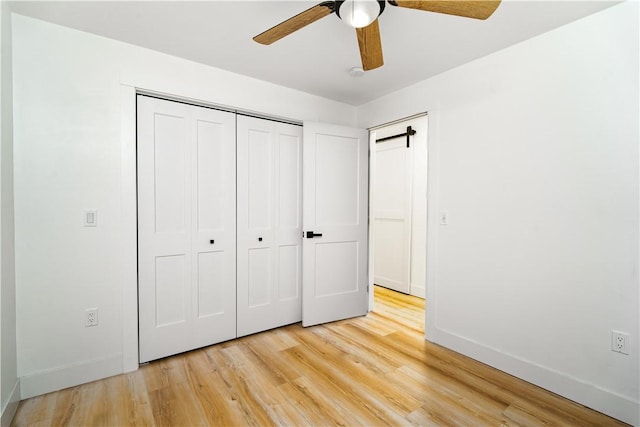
column 359, row 13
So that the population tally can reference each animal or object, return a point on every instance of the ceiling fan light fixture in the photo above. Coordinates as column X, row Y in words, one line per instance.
column 359, row 13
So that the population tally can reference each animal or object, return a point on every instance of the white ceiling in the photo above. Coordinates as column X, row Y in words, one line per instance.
column 416, row 44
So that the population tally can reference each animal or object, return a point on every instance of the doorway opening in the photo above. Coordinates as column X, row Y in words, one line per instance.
column 398, row 209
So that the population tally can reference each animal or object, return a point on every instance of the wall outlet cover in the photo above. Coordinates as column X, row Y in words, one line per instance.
column 620, row 342
column 91, row 317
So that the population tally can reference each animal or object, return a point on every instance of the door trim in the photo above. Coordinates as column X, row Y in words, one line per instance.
column 198, row 103
column 129, row 238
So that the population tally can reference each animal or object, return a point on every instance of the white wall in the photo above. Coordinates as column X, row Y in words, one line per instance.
column 9, row 384
column 534, row 153
column 74, row 150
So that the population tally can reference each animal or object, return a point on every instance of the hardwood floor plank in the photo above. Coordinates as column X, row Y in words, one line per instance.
column 217, row 405
column 138, row 409
column 421, row 417
column 305, row 405
column 173, row 402
column 336, row 399
column 273, row 359
column 66, row 404
column 252, row 388
column 480, row 408
column 40, row 408
column 361, row 379
column 375, row 370
column 372, row 361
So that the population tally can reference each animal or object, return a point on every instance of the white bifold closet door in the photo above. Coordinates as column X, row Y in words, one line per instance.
column 269, row 224
column 186, row 227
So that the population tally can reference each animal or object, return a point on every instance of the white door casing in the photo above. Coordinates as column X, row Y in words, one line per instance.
column 335, row 204
column 391, row 210
column 186, row 227
column 269, row 224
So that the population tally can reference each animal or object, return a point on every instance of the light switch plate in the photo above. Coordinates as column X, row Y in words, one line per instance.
column 90, row 218
column 444, row 218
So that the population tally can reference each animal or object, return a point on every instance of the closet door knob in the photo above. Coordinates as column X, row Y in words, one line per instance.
column 212, row 241
column 259, row 239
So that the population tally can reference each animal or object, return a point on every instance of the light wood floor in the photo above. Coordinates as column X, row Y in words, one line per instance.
column 376, row 370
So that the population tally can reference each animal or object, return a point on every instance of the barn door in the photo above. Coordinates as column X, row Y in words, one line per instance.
column 391, row 209
column 186, row 227
column 335, row 212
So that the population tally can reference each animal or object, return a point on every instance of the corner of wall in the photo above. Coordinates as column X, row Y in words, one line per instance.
column 11, row 407
column 9, row 384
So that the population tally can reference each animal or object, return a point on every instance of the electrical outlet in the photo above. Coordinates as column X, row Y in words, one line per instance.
column 619, row 342
column 91, row 317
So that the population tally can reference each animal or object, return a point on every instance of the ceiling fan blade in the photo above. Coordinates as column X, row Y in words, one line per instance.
column 370, row 46
column 478, row 9
column 301, row 20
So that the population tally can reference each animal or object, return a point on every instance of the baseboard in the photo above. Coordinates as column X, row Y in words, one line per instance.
column 11, row 407
column 417, row 291
column 605, row 401
column 69, row 376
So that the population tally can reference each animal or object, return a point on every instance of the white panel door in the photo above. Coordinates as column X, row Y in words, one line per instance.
column 391, row 210
column 335, row 205
column 186, row 227
column 269, row 224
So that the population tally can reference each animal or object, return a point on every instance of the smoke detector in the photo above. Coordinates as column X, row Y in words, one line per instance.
column 356, row 72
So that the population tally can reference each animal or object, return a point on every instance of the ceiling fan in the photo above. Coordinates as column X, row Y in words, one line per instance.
column 363, row 16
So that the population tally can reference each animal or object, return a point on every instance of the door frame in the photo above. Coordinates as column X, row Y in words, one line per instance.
column 430, row 195
column 129, row 238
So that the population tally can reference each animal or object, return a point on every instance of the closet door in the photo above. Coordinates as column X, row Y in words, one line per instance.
column 335, row 221
column 186, row 227
column 269, row 224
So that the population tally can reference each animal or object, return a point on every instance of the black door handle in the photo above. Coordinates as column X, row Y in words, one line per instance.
column 311, row 234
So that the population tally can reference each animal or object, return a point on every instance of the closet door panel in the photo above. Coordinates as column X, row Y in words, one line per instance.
column 254, row 230
column 269, row 231
column 289, row 268
column 259, row 277
column 210, row 284
column 289, row 231
column 169, row 169
column 186, row 199
column 213, row 242
column 211, row 180
column 259, row 175
column 289, row 215
column 164, row 255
